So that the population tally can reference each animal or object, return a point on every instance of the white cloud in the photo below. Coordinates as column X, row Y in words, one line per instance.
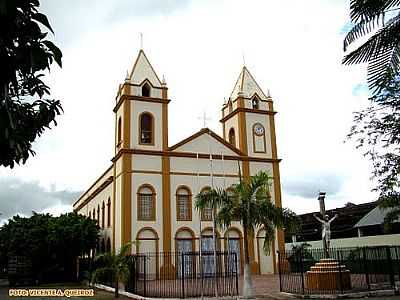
column 294, row 48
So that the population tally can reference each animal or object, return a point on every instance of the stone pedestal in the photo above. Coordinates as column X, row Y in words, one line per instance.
column 327, row 275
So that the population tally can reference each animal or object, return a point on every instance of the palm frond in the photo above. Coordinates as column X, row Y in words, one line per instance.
column 382, row 52
column 359, row 30
column 269, row 237
column 368, row 9
column 100, row 273
column 383, row 67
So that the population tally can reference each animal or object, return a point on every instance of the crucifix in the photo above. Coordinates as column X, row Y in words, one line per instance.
column 325, row 222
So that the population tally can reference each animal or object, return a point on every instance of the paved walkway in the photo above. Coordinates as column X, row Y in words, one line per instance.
column 265, row 286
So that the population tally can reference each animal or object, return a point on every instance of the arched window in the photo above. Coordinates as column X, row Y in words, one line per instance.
column 146, row 90
column 255, row 103
column 146, row 203
column 103, row 215
column 232, row 138
column 98, row 214
column 146, row 128
column 183, row 204
column 109, row 213
column 206, row 213
column 119, row 131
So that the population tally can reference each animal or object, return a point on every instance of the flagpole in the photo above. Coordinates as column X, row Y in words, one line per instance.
column 200, row 250
column 213, row 214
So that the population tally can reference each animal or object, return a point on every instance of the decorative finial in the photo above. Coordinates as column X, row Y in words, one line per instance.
column 141, row 41
column 127, row 79
column 163, row 80
column 224, row 100
column 268, row 94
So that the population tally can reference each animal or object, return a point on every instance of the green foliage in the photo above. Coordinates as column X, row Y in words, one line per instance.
column 382, row 48
column 115, row 264
column 250, row 203
column 49, row 242
column 25, row 56
column 377, row 131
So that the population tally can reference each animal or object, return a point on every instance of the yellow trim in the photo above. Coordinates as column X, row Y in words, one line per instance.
column 126, row 193
column 242, row 128
column 97, row 181
column 276, row 175
column 166, row 200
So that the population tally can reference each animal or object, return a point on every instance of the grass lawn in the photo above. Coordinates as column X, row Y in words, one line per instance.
column 98, row 294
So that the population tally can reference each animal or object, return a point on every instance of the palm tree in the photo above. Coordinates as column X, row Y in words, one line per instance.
column 251, row 205
column 382, row 49
column 114, row 264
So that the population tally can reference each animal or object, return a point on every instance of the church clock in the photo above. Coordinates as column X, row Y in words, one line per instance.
column 258, row 129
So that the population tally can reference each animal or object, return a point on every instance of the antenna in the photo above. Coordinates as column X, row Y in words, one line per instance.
column 244, row 61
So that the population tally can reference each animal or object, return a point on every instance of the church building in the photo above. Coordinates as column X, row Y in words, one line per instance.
column 148, row 192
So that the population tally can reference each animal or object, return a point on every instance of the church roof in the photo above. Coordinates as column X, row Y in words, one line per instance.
column 247, row 86
column 204, row 145
column 142, row 70
column 374, row 217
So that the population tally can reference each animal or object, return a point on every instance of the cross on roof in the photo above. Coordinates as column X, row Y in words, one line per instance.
column 205, row 119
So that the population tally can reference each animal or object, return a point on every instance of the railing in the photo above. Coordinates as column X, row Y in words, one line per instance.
column 184, row 274
column 308, row 271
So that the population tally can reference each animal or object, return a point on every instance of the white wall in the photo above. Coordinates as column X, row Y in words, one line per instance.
column 378, row 240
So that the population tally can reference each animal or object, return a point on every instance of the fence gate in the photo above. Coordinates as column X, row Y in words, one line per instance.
column 181, row 275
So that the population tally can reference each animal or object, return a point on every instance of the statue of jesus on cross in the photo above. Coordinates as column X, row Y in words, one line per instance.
column 326, row 224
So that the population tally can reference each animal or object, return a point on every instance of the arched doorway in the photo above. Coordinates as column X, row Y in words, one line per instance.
column 147, row 244
column 207, row 249
column 234, row 244
column 266, row 262
column 185, row 246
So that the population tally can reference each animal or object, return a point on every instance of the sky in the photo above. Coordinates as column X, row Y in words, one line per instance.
column 293, row 48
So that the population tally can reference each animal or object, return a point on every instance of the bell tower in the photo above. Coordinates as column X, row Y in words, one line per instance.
column 148, row 109
column 141, row 124
column 246, row 118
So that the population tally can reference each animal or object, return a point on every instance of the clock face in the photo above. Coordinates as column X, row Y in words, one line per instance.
column 258, row 129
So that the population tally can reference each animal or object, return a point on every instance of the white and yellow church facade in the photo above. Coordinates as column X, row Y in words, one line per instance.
column 148, row 193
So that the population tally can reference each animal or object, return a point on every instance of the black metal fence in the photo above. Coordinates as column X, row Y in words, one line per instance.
column 184, row 274
column 346, row 270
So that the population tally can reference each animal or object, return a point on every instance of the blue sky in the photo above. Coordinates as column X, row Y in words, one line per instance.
column 293, row 48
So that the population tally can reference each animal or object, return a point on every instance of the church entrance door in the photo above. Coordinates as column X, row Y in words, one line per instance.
column 207, row 249
column 184, row 249
column 234, row 247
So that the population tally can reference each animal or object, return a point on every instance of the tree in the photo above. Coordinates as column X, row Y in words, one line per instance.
column 25, row 55
column 114, row 264
column 377, row 130
column 52, row 244
column 382, row 48
column 251, row 205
